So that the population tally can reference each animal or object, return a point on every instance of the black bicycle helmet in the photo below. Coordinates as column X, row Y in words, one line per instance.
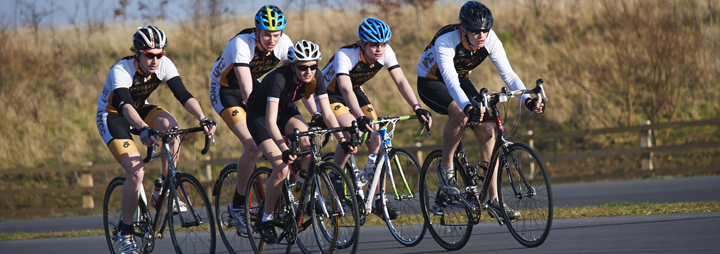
column 149, row 37
column 475, row 16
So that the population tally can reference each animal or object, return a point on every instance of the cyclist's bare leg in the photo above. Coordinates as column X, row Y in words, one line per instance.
column 452, row 133
column 340, row 156
column 135, row 171
column 485, row 135
column 299, row 123
column 246, row 163
column 280, row 170
column 163, row 122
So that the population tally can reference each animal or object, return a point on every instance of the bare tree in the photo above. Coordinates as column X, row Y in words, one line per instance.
column 32, row 15
column 153, row 13
column 122, row 11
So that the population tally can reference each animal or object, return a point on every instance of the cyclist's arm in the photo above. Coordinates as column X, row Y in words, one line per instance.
column 310, row 104
column 444, row 54
column 271, row 114
column 345, row 86
column 133, row 117
column 403, row 86
column 245, row 80
column 499, row 58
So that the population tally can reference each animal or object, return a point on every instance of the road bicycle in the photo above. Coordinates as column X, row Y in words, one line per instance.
column 191, row 230
column 402, row 171
column 525, row 186
column 331, row 214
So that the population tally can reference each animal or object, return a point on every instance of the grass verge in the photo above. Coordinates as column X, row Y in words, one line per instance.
column 605, row 210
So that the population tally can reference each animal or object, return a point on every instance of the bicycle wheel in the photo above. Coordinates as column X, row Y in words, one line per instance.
column 224, row 192
column 330, row 157
column 447, row 219
column 192, row 231
column 526, row 189
column 112, row 217
column 340, row 227
column 255, row 205
column 409, row 227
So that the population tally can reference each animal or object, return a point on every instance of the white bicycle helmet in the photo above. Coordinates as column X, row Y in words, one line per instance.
column 149, row 37
column 304, row 50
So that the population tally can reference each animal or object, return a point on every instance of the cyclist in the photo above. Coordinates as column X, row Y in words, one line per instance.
column 272, row 110
column 122, row 106
column 444, row 86
column 247, row 56
column 349, row 69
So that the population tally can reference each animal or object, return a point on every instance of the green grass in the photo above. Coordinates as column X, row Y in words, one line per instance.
column 606, row 210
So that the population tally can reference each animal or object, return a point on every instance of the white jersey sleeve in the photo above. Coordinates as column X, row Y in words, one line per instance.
column 499, row 58
column 444, row 54
column 344, row 62
column 389, row 59
column 167, row 70
column 282, row 47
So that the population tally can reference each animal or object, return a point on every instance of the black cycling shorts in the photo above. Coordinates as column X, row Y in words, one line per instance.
column 435, row 94
column 259, row 130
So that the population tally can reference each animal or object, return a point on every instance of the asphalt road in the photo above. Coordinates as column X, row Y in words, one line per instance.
column 696, row 233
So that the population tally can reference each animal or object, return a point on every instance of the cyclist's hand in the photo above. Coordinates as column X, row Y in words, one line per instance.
column 147, row 136
column 364, row 123
column 349, row 147
column 208, row 125
column 424, row 117
column 318, row 120
column 287, row 157
column 474, row 114
column 534, row 106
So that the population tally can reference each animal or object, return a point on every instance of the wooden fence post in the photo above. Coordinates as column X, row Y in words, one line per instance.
column 86, row 181
column 646, row 142
column 419, row 153
column 531, row 143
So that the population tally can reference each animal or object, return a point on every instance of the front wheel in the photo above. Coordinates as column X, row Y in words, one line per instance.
column 447, row 219
column 112, row 218
column 338, row 225
column 409, row 226
column 526, row 189
column 255, row 206
column 224, row 192
column 192, row 229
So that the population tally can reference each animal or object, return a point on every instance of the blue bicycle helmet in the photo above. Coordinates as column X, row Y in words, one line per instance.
column 374, row 30
column 270, row 18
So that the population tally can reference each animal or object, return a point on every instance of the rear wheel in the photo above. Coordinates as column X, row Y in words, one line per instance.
column 447, row 219
column 192, row 231
column 337, row 227
column 525, row 187
column 255, row 206
column 409, row 227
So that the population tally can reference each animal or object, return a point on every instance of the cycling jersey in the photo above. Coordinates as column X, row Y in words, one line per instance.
column 450, row 59
column 242, row 50
column 350, row 61
column 126, row 84
column 282, row 87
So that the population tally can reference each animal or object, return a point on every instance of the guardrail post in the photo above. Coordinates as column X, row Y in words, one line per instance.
column 86, row 181
column 419, row 153
column 206, row 175
column 646, row 142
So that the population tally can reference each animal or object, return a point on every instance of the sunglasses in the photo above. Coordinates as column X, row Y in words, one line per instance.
column 151, row 55
column 476, row 32
column 306, row 67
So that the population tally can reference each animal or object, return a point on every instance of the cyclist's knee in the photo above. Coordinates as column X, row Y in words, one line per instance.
column 458, row 119
column 164, row 121
column 304, row 143
column 251, row 150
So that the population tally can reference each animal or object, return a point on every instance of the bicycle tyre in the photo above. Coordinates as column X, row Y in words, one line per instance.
column 409, row 227
column 435, row 206
column 197, row 223
column 255, row 205
column 536, row 210
column 224, row 192
column 336, row 232
column 112, row 217
column 330, row 157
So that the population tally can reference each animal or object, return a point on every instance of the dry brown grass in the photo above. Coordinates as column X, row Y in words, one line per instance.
column 605, row 63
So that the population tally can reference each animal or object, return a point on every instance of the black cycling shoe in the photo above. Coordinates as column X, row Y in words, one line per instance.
column 495, row 205
column 267, row 231
column 392, row 211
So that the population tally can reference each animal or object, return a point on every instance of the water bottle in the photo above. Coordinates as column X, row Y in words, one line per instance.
column 157, row 187
column 299, row 182
column 370, row 167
